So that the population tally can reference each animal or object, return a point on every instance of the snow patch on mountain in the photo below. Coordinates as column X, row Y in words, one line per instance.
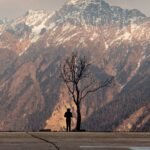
column 68, row 27
column 33, row 18
column 126, row 36
column 134, row 27
column 137, row 68
column 94, row 36
column 106, row 45
column 34, row 38
column 23, row 52
column 73, row 2
column 52, row 25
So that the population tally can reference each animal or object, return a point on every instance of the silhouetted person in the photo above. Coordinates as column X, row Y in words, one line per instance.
column 68, row 116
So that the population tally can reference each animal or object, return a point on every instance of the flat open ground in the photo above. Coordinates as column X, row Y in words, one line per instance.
column 74, row 141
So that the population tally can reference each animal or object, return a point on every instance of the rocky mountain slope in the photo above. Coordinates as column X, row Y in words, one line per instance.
column 115, row 40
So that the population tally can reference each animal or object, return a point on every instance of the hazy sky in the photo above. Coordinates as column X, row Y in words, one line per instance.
column 16, row 8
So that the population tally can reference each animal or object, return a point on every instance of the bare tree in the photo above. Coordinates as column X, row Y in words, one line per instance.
column 79, row 80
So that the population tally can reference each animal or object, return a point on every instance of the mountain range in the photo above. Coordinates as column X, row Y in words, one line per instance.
column 117, row 43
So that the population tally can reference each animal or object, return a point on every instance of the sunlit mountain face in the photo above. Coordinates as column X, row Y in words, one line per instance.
column 32, row 47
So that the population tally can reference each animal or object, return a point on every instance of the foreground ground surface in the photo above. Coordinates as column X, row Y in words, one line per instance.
column 74, row 141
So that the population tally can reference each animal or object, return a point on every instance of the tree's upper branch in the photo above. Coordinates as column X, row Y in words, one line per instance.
column 106, row 83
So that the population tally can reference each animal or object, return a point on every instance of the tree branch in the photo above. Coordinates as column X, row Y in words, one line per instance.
column 106, row 83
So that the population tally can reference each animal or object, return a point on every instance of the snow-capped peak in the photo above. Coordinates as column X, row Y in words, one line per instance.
column 97, row 13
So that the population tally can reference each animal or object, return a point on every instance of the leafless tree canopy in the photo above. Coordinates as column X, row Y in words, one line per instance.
column 79, row 80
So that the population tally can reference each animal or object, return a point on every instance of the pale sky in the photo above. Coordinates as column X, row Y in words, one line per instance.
column 16, row 8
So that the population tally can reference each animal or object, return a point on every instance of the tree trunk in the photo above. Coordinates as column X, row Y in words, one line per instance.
column 78, row 124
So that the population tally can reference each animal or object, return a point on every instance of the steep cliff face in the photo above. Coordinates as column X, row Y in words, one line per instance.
column 116, row 42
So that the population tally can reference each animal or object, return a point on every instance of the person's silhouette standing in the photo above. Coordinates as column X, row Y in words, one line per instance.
column 68, row 116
